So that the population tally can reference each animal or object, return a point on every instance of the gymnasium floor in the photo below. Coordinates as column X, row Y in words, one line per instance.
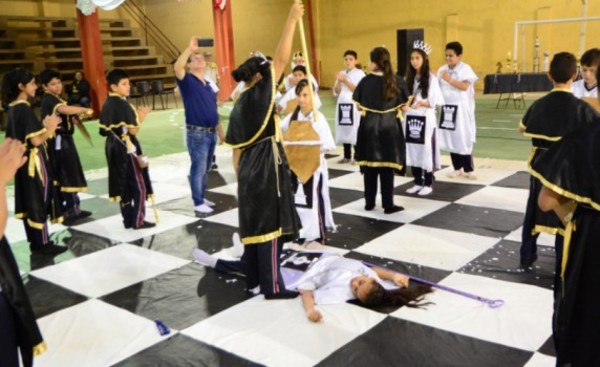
column 97, row 303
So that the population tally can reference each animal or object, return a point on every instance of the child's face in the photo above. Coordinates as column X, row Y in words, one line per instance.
column 29, row 88
column 123, row 88
column 304, row 98
column 299, row 60
column 416, row 61
column 350, row 62
column 361, row 286
column 452, row 59
column 54, row 86
column 589, row 74
column 298, row 76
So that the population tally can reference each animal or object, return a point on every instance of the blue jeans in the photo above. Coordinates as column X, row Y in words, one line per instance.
column 201, row 146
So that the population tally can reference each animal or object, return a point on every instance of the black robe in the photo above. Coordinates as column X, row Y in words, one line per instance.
column 380, row 140
column 65, row 161
column 265, row 197
column 572, row 169
column 32, row 203
column 116, row 117
column 546, row 121
column 29, row 339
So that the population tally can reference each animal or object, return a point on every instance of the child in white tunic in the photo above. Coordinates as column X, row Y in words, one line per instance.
column 457, row 129
column 283, row 105
column 312, row 198
column 587, row 86
column 347, row 115
column 422, row 150
column 291, row 80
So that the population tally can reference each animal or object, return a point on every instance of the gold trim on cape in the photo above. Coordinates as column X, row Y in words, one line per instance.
column 380, row 164
column 261, row 238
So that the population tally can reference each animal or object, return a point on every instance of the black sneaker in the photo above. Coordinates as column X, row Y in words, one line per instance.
column 282, row 295
column 369, row 207
column 145, row 225
column 393, row 209
column 83, row 214
column 527, row 263
column 49, row 248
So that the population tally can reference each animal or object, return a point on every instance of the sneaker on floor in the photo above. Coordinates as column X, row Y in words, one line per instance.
column 204, row 258
column 203, row 208
column 344, row 160
column 208, row 202
column 49, row 248
column 238, row 247
column 471, row 175
column 414, row 189
column 394, row 209
column 145, row 225
column 425, row 191
column 83, row 214
column 455, row 174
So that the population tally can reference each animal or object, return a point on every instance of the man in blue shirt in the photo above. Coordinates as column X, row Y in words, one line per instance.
column 201, row 119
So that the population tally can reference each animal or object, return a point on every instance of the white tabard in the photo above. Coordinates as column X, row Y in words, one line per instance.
column 347, row 115
column 579, row 90
column 457, row 130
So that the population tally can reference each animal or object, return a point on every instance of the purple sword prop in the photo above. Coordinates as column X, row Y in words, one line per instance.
column 492, row 303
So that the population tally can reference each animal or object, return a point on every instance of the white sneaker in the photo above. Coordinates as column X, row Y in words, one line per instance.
column 425, row 191
column 471, row 175
column 203, row 208
column 238, row 247
column 455, row 174
column 208, row 202
column 414, row 189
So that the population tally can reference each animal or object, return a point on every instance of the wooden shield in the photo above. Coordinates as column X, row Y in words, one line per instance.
column 302, row 149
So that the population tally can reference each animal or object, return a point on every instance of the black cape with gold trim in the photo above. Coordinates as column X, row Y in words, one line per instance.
column 546, row 122
column 380, row 140
column 28, row 335
column 23, row 124
column 65, row 161
column 572, row 169
column 116, row 117
column 265, row 197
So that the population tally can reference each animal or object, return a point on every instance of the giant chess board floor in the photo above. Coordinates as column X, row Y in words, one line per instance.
column 97, row 304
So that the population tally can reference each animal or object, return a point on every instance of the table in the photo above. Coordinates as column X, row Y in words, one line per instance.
column 515, row 85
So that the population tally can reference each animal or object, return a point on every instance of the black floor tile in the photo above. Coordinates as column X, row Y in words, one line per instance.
column 340, row 197
column 395, row 342
column 354, row 231
column 519, row 180
column 47, row 297
column 445, row 191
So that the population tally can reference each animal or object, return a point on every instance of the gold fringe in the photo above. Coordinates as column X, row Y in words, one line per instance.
column 550, row 230
column 120, row 124
column 40, row 349
column 261, row 238
column 73, row 189
column 565, row 256
column 380, row 164
column 562, row 192
column 35, row 225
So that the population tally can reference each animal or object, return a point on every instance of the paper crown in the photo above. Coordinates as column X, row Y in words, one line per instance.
column 421, row 45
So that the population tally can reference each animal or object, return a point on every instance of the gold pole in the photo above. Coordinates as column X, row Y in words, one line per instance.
column 307, row 65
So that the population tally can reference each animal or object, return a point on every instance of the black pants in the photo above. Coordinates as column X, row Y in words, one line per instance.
column 133, row 209
column 36, row 237
column 422, row 177
column 262, row 266
column 386, row 178
column 9, row 355
column 348, row 151
column 70, row 202
column 464, row 161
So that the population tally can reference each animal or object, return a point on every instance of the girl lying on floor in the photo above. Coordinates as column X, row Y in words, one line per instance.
column 332, row 279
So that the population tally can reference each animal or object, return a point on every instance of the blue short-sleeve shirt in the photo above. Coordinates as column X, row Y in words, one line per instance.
column 199, row 101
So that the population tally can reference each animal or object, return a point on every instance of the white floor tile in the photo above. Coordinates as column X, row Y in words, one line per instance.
column 106, row 271
column 523, row 322
column 427, row 246
column 229, row 189
column 94, row 333
column 112, row 227
column 503, row 198
column 485, row 176
column 278, row 333
column 541, row 360
column 414, row 208
column 229, row 218
column 164, row 192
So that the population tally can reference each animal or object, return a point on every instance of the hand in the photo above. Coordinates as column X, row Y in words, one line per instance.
column 445, row 76
column 11, row 158
column 297, row 10
column 193, row 46
column 341, row 77
column 51, row 122
column 314, row 315
column 401, row 280
column 221, row 137
column 144, row 110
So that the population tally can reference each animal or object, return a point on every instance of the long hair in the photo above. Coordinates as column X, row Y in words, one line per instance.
column 380, row 56
column 246, row 71
column 411, row 73
column 11, row 81
column 410, row 297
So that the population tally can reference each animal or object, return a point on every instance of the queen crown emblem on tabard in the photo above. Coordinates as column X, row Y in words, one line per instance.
column 346, row 117
column 415, row 126
column 423, row 46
